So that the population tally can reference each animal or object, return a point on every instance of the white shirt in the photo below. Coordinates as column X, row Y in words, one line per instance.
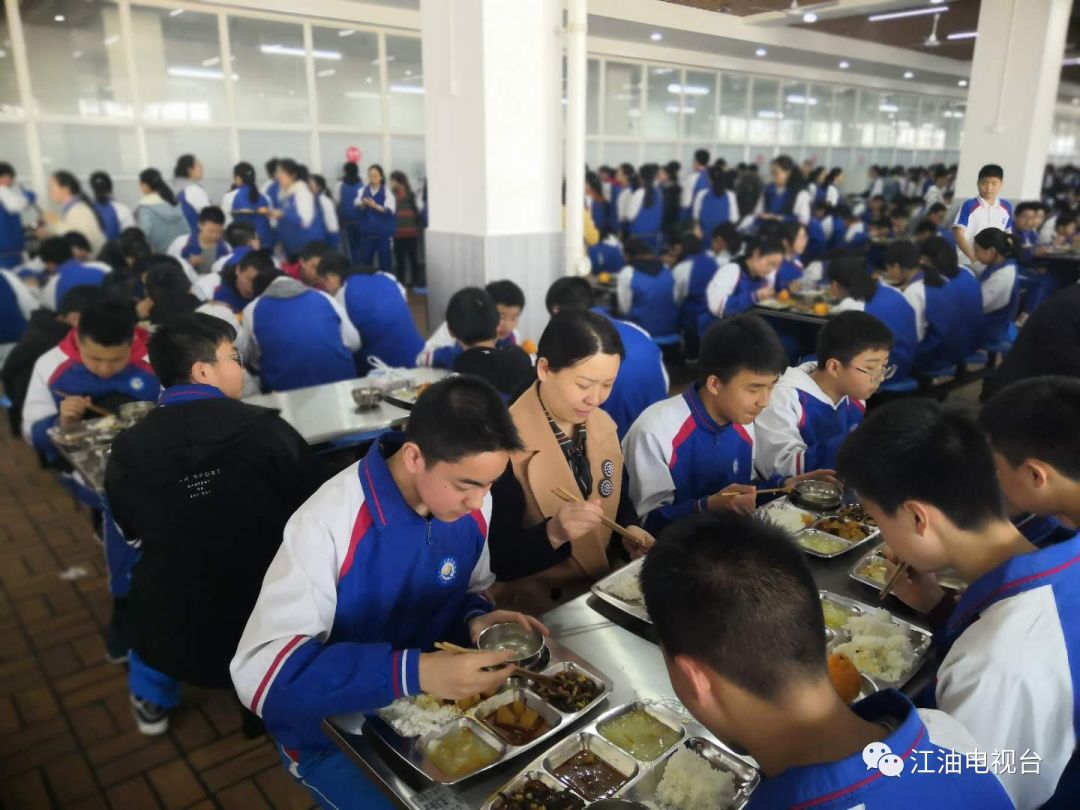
column 687, row 196
column 933, row 196
column 722, row 285
column 733, row 208
column 801, row 209
column 305, row 202
column 976, row 215
column 329, row 212
column 997, row 289
column 681, row 274
column 915, row 293
column 23, row 297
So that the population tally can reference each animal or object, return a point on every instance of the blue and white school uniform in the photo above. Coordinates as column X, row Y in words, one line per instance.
column 790, row 270
column 677, row 456
column 617, row 205
column 298, row 337
column 186, row 247
column 774, row 200
column 832, row 195
column 976, row 215
column 732, row 291
column 376, row 228
column 13, row 201
column 710, row 210
column 947, row 328
column 16, row 305
column 192, row 198
column 301, row 219
column 606, row 256
column 272, row 191
column 361, row 586
column 330, row 220
column 692, row 278
column 1011, row 675
column 598, row 210
column 645, row 221
column 642, row 378
column 71, row 273
column 349, row 216
column 646, row 295
column 115, row 217
column 802, row 429
column 238, row 207
column 442, row 349
column 697, row 182
column 1000, row 286
column 817, row 239
column 922, row 738
column 890, row 307
column 378, row 308
column 855, row 235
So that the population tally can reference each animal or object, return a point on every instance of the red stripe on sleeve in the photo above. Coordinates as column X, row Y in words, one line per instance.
column 284, row 651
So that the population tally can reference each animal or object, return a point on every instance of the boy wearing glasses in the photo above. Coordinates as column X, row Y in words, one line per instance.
column 203, row 486
column 817, row 404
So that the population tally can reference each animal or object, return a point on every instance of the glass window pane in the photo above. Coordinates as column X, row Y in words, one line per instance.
column 907, row 116
column 928, row 122
column 13, row 137
column 334, row 145
column 662, row 115
column 857, row 182
column 9, row 88
column 660, row 152
column 954, row 123
column 616, row 153
column 408, row 156
column 844, row 131
column 888, row 109
column 348, row 89
column 404, row 73
column 762, row 154
column 622, row 105
column 699, row 106
column 819, row 114
column 211, row 146
column 82, row 149
column 794, row 102
column 592, row 155
column 179, row 65
column 763, row 110
column 269, row 61
column 76, row 58
column 867, row 116
column 592, row 97
column 257, row 147
column 845, row 159
column 731, row 153
column 733, row 92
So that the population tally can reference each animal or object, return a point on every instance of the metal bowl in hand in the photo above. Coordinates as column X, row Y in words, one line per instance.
column 527, row 645
column 819, row 494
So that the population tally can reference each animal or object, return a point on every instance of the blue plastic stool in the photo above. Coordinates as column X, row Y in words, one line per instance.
column 977, row 358
column 673, row 339
column 945, row 371
column 903, row 385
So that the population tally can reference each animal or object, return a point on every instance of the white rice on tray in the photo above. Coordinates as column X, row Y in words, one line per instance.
column 879, row 647
column 691, row 783
column 418, row 715
column 628, row 589
column 789, row 520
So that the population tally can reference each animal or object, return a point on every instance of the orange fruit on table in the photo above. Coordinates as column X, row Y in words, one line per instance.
column 528, row 347
column 821, row 309
column 783, row 295
column 845, row 677
column 604, row 278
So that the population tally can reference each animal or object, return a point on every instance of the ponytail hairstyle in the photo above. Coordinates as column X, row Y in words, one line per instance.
column 796, row 182
column 350, row 173
column 246, row 172
column 1007, row 245
column 631, row 175
column 101, row 185
column 718, row 180
column 816, row 175
column 648, row 179
column 66, row 179
column 596, row 188
column 941, row 256
column 184, row 164
column 303, row 174
column 402, row 180
column 730, row 234
column 320, row 184
column 830, row 178
column 152, row 178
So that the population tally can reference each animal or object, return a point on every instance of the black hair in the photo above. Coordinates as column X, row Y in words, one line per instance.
column 102, row 187
column 592, row 180
column 631, row 175
column 992, row 170
column 937, row 208
column 744, row 342
column 1026, row 206
column 816, row 175
column 184, row 164
column 637, row 248
column 133, row 244
column 851, row 273
column 155, row 182
column 942, row 258
column 796, row 182
column 238, row 234
column 246, row 172
column 1037, row 419
column 164, row 279
column 77, row 241
column 916, row 450
column 458, row 417
column 320, row 184
column 77, row 299
column 334, row 263
column 903, row 252
column 382, row 174
column 1065, row 218
column 648, row 178
column 691, row 244
column 926, row 227
column 575, row 335
column 701, row 157
column 1007, row 245
column 718, row 181
column 402, row 180
column 673, row 167
column 184, row 340
column 471, row 316
column 350, row 173
column 265, row 276
column 506, row 293
column 109, row 322
column 830, row 178
column 271, row 167
column 289, row 166
column 66, row 179
column 313, row 249
column 763, row 244
column 6, row 169
column 212, row 213
column 850, row 334
column 730, row 234
column 718, row 584
column 789, row 232
column 55, row 250
column 303, row 174
column 569, row 293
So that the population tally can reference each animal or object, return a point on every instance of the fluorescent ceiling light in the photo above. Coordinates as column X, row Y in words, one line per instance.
column 346, row 32
column 912, row 12
column 59, row 18
column 283, row 50
column 322, row 74
column 908, row 74
column 962, row 82
column 213, row 60
column 797, row 99
column 112, row 39
column 889, row 108
column 183, row 72
column 844, row 64
column 962, row 35
column 176, row 12
column 688, row 89
column 676, row 109
column 809, row 17
column 656, row 36
column 411, row 89
column 760, row 52
column 769, row 114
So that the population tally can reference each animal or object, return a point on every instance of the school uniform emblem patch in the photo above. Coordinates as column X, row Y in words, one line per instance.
column 137, row 384
column 448, row 571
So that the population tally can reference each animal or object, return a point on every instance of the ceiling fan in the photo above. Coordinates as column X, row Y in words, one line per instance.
column 932, row 41
column 795, row 10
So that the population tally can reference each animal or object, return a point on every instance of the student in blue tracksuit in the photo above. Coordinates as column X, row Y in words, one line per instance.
column 65, row 271
column 378, row 308
column 739, row 618
column 206, row 244
column 188, row 175
column 966, row 293
column 715, row 204
column 297, row 336
column 327, row 210
column 17, row 304
column 818, row 233
column 691, row 452
column 857, row 290
column 996, row 252
column 115, row 216
column 272, row 188
column 298, row 218
column 786, row 197
column 236, row 288
column 817, row 404
column 698, row 181
column 598, row 204
column 349, row 215
column 606, row 256
column 692, row 278
column 948, row 315
column 378, row 221
column 642, row 378
column 14, row 199
column 245, row 203
column 396, row 547
column 744, row 281
column 626, row 183
column 644, row 211
column 790, row 272
column 466, row 315
column 1009, row 672
column 646, row 291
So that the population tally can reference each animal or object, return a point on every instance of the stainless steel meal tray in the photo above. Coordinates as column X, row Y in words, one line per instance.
column 602, row 590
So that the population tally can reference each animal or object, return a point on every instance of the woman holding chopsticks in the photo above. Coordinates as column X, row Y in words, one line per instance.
column 557, row 506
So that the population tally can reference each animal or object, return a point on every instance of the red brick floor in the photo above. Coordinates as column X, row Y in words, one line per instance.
column 67, row 738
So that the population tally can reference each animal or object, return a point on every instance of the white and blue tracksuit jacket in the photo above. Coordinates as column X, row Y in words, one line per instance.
column 72, row 273
column 16, row 305
column 193, row 199
column 378, row 309
column 360, row 587
column 642, row 378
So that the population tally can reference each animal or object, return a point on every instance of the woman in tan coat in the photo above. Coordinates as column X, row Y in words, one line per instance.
column 545, row 551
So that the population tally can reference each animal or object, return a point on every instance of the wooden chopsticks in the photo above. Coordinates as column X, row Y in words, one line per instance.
column 90, row 406
column 611, row 524
column 886, row 589
column 446, row 646
column 766, row 491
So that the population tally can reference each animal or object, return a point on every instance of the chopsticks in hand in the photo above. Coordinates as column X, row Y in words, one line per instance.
column 446, row 646
column 886, row 589
column 766, row 491
column 90, row 406
column 611, row 524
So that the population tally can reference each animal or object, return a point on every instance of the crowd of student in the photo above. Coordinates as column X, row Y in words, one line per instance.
column 233, row 566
